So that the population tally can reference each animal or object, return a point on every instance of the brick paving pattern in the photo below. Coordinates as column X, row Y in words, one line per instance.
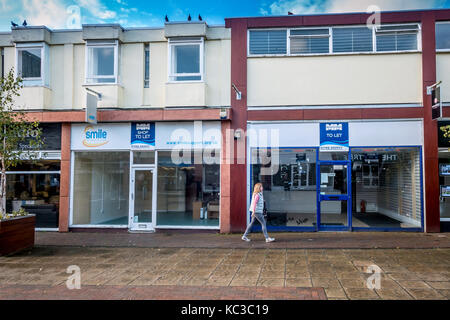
column 218, row 273
column 195, row 239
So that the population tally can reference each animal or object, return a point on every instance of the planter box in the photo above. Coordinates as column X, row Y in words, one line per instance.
column 17, row 234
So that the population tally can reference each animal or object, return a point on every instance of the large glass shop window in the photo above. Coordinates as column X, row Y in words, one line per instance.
column 34, row 186
column 386, row 188
column 101, row 188
column 289, row 187
column 188, row 193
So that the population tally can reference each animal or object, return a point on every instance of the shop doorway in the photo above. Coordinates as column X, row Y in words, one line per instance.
column 142, row 199
column 334, row 197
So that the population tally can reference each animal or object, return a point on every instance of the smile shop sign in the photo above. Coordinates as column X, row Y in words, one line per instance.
column 334, row 137
column 147, row 136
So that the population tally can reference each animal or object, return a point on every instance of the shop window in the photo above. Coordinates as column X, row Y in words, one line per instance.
column 267, row 42
column 188, row 193
column 386, row 188
column 101, row 188
column 102, row 62
column 289, row 185
column 186, row 59
column 310, row 41
column 352, row 40
column 397, row 38
column 443, row 36
column 34, row 186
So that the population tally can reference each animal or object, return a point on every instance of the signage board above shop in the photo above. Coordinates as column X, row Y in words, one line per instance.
column 101, row 136
column 143, row 136
column 147, row 136
column 51, row 137
column 334, row 137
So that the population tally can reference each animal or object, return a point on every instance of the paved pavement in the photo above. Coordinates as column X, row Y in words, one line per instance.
column 196, row 239
column 231, row 273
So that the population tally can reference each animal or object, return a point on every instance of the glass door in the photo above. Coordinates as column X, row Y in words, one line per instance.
column 334, row 197
column 142, row 199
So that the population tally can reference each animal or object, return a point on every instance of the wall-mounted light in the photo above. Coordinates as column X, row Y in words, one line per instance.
column 238, row 93
column 238, row 134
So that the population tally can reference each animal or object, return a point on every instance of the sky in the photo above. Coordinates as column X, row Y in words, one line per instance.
column 71, row 14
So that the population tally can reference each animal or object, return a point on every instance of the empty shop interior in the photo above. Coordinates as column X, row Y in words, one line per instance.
column 385, row 188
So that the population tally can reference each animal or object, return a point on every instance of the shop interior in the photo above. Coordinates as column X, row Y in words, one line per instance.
column 188, row 193
column 444, row 182
column 35, row 188
column 386, row 188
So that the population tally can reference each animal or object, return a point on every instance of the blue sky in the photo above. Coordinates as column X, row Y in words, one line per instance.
column 61, row 14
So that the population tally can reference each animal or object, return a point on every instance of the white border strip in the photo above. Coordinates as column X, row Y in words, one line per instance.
column 369, row 106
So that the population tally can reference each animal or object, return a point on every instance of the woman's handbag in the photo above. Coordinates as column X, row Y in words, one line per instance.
column 265, row 211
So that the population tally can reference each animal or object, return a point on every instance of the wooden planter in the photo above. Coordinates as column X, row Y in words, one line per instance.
column 17, row 234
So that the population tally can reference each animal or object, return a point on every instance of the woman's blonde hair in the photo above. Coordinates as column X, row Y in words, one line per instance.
column 257, row 188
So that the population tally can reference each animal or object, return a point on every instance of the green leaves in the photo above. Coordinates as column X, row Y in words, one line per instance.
column 19, row 136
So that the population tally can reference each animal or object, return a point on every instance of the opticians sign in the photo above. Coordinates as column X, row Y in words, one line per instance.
column 334, row 137
column 143, row 136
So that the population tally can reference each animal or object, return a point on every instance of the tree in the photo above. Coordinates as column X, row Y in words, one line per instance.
column 19, row 137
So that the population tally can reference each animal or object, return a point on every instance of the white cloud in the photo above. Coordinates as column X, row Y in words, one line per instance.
column 51, row 13
column 4, row 5
column 281, row 7
column 384, row 5
column 96, row 9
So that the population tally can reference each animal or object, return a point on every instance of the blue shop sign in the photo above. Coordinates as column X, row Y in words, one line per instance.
column 143, row 136
column 334, row 137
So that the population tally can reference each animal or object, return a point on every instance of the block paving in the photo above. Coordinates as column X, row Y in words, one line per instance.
column 220, row 273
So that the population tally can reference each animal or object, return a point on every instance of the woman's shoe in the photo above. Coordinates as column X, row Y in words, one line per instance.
column 270, row 240
column 245, row 239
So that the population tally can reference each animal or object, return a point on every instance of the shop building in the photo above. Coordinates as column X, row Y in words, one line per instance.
column 332, row 116
column 152, row 160
column 338, row 120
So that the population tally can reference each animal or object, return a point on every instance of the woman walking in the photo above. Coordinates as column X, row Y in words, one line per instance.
column 256, row 209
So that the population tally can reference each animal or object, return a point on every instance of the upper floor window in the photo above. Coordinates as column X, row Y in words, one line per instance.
column 397, row 38
column 268, row 42
column 31, row 63
column 186, row 59
column 102, row 62
column 443, row 36
column 2, row 63
column 147, row 66
column 338, row 39
column 352, row 39
column 309, row 41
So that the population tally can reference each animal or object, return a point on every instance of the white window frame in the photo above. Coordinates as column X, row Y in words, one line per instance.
column 89, row 79
column 147, row 68
column 330, row 43
column 186, row 42
column 442, row 50
column 44, row 51
column 419, row 37
column 288, row 45
column 331, row 49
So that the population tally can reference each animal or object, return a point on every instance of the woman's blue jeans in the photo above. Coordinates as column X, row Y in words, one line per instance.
column 262, row 221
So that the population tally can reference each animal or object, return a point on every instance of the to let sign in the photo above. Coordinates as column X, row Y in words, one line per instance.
column 143, row 136
column 334, row 137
